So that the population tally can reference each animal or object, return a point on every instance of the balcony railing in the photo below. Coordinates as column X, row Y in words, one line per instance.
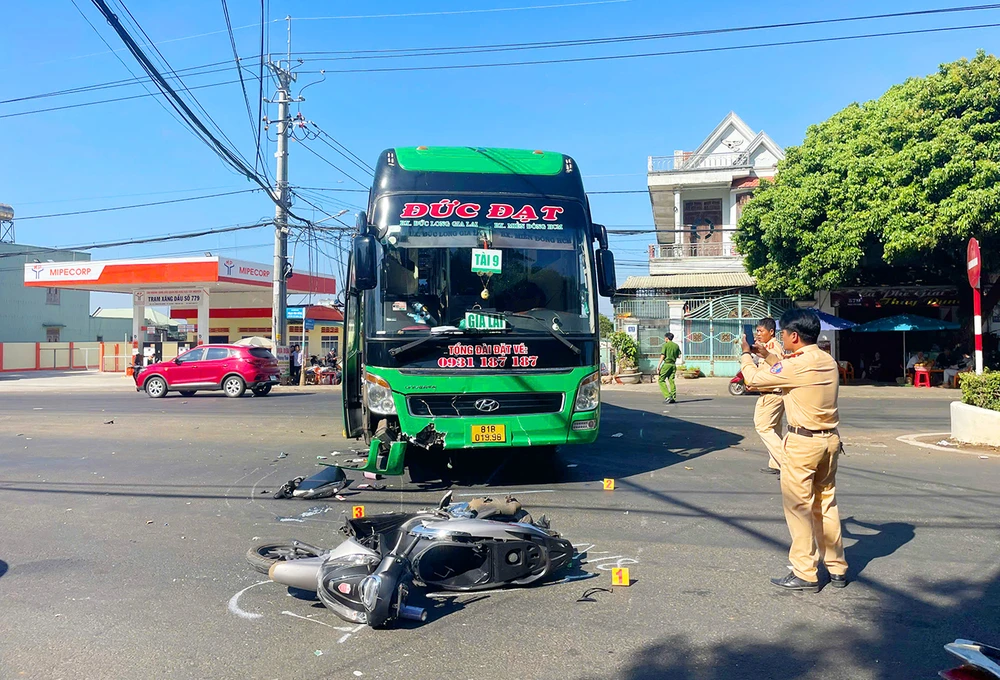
column 704, row 161
column 679, row 250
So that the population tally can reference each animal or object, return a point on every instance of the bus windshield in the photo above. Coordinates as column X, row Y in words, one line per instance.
column 514, row 274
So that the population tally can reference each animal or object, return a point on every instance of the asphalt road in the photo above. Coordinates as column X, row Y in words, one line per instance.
column 121, row 546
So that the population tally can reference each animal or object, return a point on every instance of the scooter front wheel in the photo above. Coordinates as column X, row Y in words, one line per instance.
column 265, row 552
column 737, row 389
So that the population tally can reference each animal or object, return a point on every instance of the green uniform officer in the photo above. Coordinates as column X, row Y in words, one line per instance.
column 668, row 367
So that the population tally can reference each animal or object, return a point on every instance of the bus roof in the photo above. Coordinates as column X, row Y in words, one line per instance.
column 447, row 170
column 467, row 159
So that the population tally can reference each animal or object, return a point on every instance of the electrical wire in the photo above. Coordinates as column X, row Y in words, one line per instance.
column 342, row 150
column 264, row 222
column 136, row 205
column 254, row 129
column 463, row 11
column 228, row 155
column 115, row 99
column 331, row 164
column 396, row 53
column 703, row 50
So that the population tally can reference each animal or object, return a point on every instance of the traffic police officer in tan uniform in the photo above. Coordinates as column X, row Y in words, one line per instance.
column 809, row 380
column 770, row 406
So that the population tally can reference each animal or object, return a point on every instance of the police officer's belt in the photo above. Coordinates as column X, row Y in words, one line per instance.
column 807, row 433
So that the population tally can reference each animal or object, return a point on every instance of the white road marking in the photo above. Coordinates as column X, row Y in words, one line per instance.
column 306, row 618
column 234, row 606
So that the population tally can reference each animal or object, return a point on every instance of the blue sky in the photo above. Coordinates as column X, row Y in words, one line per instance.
column 609, row 115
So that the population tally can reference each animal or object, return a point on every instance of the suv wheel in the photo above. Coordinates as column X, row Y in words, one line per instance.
column 234, row 386
column 156, row 387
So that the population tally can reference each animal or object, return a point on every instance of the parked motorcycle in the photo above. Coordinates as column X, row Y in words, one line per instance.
column 737, row 385
column 461, row 547
column 979, row 661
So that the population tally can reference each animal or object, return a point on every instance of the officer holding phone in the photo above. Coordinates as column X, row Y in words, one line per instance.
column 770, row 408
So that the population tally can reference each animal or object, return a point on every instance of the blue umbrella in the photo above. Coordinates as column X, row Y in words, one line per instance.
column 905, row 323
column 829, row 322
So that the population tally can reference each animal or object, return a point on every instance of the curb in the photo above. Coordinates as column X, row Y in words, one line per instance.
column 911, row 439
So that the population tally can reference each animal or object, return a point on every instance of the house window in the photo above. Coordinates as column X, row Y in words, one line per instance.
column 52, row 296
column 51, row 335
column 329, row 342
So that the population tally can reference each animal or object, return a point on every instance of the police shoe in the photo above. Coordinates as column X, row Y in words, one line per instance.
column 838, row 580
column 793, row 582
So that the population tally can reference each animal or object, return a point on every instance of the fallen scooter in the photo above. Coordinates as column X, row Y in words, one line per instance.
column 462, row 547
column 979, row 661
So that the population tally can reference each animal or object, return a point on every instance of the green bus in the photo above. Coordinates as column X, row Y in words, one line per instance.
column 471, row 308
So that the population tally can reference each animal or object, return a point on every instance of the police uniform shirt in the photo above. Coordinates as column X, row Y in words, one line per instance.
column 809, row 381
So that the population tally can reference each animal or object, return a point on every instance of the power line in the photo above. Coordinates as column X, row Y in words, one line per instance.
column 704, row 50
column 116, row 99
column 124, row 82
column 228, row 155
column 463, row 11
column 254, row 129
column 350, row 191
column 328, row 162
column 136, row 205
column 343, row 150
column 138, row 241
column 624, row 191
column 395, row 53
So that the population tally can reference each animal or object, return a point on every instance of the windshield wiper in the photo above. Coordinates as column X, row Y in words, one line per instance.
column 436, row 332
column 541, row 322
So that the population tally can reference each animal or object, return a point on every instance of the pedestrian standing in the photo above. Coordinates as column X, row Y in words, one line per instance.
column 668, row 368
column 295, row 365
column 770, row 408
column 809, row 380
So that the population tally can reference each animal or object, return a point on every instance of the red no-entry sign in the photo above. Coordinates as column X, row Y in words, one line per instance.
column 974, row 262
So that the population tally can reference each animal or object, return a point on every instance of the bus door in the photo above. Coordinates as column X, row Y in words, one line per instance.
column 353, row 409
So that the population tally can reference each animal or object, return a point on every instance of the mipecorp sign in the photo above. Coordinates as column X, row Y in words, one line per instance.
column 242, row 270
column 62, row 271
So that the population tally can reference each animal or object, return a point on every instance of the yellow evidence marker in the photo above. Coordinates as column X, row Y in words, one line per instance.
column 619, row 577
column 609, row 485
column 358, row 511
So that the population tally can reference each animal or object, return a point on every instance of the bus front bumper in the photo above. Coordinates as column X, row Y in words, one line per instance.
column 549, row 429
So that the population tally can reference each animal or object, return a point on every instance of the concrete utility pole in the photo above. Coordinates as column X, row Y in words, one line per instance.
column 279, row 302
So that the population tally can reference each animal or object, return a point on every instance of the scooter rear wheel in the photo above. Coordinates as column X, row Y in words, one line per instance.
column 265, row 552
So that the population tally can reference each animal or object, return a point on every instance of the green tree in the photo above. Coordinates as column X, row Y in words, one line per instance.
column 886, row 192
column 606, row 327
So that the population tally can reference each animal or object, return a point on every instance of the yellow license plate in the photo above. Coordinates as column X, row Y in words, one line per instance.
column 489, row 434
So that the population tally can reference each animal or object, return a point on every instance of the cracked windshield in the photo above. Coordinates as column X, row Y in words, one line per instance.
column 490, row 275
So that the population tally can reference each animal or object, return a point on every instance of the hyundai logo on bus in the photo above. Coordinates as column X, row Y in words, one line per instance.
column 487, row 405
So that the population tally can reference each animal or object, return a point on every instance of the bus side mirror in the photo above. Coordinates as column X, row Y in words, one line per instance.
column 601, row 234
column 362, row 223
column 364, row 262
column 606, row 283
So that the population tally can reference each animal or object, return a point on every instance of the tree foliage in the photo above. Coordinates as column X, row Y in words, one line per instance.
column 606, row 326
column 886, row 192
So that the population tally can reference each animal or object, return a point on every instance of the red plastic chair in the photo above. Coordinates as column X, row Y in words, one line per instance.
column 921, row 377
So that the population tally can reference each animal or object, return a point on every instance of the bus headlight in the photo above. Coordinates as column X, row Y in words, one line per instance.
column 588, row 395
column 379, row 395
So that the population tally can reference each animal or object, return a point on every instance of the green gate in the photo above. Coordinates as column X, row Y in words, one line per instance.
column 713, row 328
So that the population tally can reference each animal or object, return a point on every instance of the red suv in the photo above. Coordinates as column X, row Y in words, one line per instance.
column 230, row 368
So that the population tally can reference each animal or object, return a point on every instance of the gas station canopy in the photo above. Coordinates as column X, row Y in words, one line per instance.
column 213, row 274
column 187, row 282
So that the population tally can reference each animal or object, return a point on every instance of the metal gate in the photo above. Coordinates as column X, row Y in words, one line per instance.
column 713, row 328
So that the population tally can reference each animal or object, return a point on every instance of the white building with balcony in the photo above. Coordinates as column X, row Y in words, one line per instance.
column 697, row 287
column 697, row 197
